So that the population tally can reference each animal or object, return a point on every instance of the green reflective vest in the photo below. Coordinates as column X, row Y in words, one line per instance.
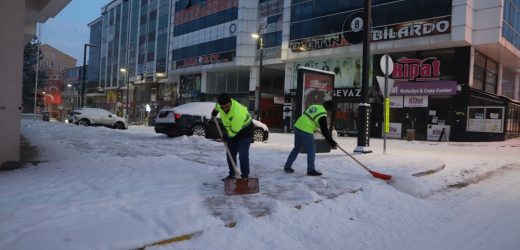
column 236, row 119
column 308, row 122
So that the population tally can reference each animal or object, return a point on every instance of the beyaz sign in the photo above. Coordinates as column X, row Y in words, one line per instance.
column 347, row 93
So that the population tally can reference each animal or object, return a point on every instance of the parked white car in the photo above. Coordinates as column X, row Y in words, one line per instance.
column 98, row 117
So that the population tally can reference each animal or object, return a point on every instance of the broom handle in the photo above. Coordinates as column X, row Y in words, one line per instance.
column 344, row 151
column 361, row 164
column 237, row 173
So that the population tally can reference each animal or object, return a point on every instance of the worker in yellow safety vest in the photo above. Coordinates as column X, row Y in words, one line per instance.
column 314, row 116
column 238, row 125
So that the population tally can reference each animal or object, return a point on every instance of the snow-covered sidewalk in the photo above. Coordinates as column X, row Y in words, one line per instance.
column 98, row 188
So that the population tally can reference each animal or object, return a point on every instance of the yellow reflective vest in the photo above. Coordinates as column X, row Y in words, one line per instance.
column 308, row 122
column 236, row 119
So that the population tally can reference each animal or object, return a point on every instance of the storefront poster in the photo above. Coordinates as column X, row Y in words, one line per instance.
column 396, row 102
column 395, row 130
column 317, row 87
column 415, row 101
column 435, row 131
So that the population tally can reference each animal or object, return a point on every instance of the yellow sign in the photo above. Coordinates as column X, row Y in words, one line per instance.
column 387, row 115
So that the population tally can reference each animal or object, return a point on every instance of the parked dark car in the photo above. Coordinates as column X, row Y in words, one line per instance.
column 194, row 119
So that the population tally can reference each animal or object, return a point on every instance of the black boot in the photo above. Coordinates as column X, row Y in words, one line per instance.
column 288, row 170
column 313, row 173
column 228, row 177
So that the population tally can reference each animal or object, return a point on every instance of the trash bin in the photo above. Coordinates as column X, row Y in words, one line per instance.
column 46, row 116
column 410, row 134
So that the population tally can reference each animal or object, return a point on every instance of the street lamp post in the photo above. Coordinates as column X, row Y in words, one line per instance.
column 127, row 82
column 259, row 105
column 84, row 74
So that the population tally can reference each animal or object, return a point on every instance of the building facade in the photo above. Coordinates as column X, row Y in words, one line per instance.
column 95, row 94
column 456, row 63
column 132, row 55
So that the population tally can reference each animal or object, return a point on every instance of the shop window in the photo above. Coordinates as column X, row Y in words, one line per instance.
column 485, row 119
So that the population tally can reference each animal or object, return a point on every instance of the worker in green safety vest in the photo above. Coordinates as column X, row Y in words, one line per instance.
column 239, row 132
column 314, row 116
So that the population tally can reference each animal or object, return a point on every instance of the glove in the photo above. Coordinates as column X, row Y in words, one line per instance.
column 226, row 139
column 332, row 144
column 214, row 113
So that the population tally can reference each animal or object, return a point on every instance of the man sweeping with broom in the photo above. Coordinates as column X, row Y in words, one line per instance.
column 314, row 116
column 239, row 127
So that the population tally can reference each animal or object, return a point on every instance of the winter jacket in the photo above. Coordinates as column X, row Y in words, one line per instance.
column 315, row 116
column 237, row 120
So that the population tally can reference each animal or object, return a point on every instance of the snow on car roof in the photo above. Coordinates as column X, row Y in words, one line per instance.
column 195, row 108
column 93, row 111
column 204, row 109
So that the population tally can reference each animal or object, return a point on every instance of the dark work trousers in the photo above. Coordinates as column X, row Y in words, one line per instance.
column 240, row 146
column 305, row 140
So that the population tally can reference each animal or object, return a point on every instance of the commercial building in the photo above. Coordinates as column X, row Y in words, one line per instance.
column 95, row 94
column 456, row 64
column 18, row 19
column 212, row 51
column 132, row 37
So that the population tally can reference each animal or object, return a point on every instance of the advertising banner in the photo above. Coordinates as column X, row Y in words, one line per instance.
column 314, row 87
column 404, row 30
column 347, row 71
column 434, row 132
column 206, row 59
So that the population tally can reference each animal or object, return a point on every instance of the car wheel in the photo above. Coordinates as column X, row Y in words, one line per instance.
column 258, row 135
column 198, row 130
column 84, row 122
column 119, row 125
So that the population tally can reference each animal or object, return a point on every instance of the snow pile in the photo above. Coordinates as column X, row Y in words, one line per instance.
column 99, row 188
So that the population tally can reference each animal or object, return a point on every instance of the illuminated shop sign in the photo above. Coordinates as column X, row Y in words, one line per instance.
column 408, row 69
column 442, row 88
column 413, row 29
column 206, row 59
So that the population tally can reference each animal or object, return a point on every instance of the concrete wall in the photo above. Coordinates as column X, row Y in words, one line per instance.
column 11, row 67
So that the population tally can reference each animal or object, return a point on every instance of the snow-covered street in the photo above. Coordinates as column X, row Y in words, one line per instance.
column 98, row 188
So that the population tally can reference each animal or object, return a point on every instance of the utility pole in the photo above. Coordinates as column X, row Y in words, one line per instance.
column 363, row 140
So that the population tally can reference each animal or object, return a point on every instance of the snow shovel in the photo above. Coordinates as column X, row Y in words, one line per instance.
column 238, row 185
column 375, row 174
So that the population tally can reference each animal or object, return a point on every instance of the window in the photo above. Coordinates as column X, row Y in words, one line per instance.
column 485, row 119
column 485, row 73
column 508, row 83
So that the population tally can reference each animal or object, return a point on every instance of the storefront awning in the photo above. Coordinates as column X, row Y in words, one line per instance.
column 432, row 88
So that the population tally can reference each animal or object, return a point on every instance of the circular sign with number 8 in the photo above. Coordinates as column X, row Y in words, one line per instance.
column 357, row 24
